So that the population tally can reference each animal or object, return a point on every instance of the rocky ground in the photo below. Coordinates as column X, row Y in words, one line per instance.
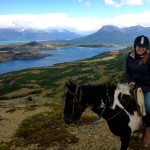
column 91, row 136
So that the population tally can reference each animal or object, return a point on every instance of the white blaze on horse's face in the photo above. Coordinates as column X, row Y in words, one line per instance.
column 135, row 119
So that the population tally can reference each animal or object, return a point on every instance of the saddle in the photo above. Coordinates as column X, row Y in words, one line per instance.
column 139, row 97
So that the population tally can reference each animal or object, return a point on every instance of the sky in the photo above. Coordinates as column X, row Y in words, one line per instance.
column 80, row 16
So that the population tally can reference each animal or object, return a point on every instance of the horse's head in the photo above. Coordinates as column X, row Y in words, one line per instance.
column 78, row 98
column 72, row 108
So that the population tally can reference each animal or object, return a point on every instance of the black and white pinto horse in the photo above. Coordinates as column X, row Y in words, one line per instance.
column 114, row 103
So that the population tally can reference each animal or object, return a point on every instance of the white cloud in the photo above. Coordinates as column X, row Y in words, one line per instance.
column 88, row 4
column 124, row 2
column 63, row 21
column 79, row 1
column 49, row 21
column 85, row 2
column 131, row 20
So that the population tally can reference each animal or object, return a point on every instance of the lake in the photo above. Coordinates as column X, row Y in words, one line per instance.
column 64, row 54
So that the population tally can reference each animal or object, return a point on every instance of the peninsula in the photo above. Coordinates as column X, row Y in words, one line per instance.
column 24, row 51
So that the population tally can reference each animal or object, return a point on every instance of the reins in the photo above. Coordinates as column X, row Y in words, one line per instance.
column 108, row 98
column 77, row 100
column 119, row 111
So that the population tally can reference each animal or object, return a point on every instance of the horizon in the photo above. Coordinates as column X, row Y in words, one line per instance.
column 79, row 16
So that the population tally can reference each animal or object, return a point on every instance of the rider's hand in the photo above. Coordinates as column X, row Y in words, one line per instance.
column 132, row 85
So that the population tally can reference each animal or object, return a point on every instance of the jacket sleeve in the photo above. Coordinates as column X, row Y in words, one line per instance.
column 127, row 71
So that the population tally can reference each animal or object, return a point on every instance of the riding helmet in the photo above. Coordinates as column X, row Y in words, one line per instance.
column 141, row 41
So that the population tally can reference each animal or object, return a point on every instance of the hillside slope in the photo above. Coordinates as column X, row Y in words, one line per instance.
column 33, row 98
column 50, row 81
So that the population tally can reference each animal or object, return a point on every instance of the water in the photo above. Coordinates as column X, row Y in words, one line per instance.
column 64, row 54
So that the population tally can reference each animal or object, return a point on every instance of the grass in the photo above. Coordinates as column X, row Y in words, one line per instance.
column 31, row 107
column 43, row 130
column 4, row 146
column 1, row 118
column 106, row 67
column 88, row 119
column 48, row 129
column 11, row 110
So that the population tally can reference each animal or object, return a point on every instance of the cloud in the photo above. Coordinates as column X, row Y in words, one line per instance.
column 124, row 2
column 58, row 21
column 86, row 2
column 62, row 21
column 131, row 20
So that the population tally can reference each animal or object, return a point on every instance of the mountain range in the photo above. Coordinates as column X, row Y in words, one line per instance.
column 106, row 34
column 15, row 34
column 114, row 35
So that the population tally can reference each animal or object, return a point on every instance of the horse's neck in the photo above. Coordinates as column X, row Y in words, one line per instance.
column 98, row 96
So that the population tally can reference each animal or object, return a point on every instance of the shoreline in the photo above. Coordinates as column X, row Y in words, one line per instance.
column 59, row 56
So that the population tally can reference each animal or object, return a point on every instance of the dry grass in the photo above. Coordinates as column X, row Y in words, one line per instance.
column 80, row 137
column 23, row 91
column 47, row 132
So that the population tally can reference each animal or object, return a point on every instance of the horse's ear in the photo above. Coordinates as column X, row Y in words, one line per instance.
column 67, row 85
column 70, row 82
column 71, row 87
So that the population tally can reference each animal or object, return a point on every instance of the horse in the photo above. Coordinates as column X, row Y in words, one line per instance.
column 115, row 103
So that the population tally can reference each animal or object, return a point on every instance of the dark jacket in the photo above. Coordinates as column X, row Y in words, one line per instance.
column 139, row 73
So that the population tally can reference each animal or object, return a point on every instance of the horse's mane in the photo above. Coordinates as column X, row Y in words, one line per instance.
column 98, row 86
column 122, row 87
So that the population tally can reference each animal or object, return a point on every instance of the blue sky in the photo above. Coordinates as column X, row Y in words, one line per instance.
column 82, row 16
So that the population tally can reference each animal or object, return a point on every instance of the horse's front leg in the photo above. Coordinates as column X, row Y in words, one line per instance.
column 125, row 140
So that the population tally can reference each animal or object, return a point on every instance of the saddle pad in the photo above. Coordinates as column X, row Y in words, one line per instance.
column 140, row 101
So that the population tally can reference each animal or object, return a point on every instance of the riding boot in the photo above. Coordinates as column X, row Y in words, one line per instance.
column 146, row 135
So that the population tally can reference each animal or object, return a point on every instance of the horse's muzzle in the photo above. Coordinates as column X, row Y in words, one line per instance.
column 68, row 119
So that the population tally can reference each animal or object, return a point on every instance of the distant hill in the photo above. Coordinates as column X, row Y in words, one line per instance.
column 114, row 35
column 35, row 35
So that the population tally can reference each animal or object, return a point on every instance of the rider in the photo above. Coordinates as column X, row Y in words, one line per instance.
column 138, row 75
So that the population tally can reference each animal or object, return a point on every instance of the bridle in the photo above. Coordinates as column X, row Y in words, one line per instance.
column 103, row 110
column 76, row 99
